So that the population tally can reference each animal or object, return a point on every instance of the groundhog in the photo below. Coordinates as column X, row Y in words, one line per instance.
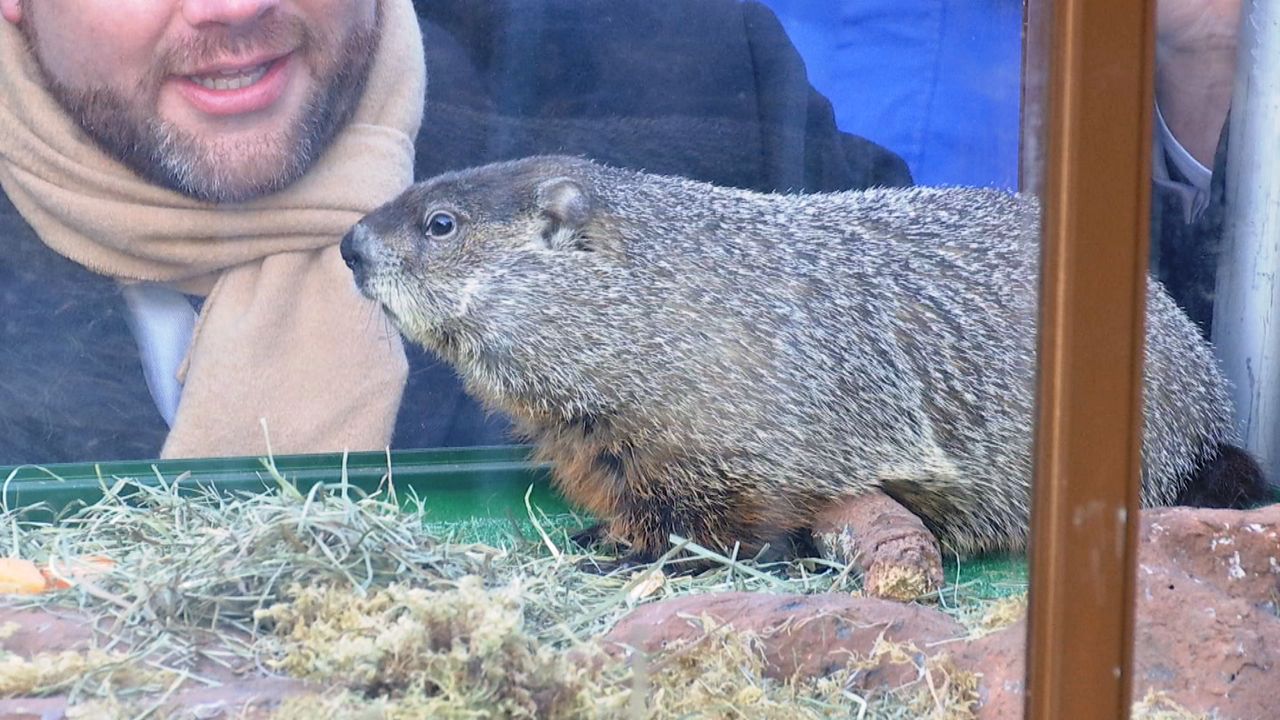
column 724, row 364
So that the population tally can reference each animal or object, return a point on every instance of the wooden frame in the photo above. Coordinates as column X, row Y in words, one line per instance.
column 1096, row 132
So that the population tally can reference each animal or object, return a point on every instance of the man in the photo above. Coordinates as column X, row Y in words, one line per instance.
column 1196, row 46
column 177, row 174
column 164, row 145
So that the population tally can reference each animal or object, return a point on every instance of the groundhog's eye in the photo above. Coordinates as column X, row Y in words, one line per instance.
column 441, row 224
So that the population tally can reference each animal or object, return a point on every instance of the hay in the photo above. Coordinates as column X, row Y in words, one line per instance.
column 941, row 691
column 406, row 619
column 212, row 561
column 1159, row 706
column 721, row 675
column 1000, row 614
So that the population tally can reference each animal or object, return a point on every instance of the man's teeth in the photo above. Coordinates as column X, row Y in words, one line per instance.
column 230, row 79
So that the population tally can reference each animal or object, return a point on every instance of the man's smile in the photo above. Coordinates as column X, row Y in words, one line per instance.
column 236, row 88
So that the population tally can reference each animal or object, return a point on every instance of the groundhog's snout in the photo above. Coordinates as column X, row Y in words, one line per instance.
column 356, row 249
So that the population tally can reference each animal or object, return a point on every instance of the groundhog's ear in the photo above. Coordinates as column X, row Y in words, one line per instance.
column 566, row 210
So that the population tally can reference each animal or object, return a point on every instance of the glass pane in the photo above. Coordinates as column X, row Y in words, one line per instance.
column 1206, row 582
column 769, row 314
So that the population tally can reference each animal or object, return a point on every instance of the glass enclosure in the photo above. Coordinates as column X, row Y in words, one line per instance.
column 800, row 102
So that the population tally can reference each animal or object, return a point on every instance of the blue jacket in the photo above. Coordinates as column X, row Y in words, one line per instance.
column 938, row 82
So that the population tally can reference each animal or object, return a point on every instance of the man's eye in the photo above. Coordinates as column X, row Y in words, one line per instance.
column 441, row 224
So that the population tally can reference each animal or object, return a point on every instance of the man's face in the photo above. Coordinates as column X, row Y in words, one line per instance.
column 223, row 100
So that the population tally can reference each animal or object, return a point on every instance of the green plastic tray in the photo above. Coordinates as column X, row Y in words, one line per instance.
column 455, row 484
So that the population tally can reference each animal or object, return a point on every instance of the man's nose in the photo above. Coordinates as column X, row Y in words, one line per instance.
column 225, row 12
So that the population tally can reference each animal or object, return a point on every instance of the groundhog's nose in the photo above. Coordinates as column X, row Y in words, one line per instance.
column 358, row 252
column 352, row 247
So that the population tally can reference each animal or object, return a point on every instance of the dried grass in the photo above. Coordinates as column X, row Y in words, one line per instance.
column 1159, row 706
column 358, row 593
column 1000, row 614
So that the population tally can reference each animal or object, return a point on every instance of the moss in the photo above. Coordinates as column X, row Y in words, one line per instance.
column 464, row 653
column 48, row 673
column 465, row 648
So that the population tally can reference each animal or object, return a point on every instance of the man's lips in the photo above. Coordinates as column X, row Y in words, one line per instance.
column 226, row 89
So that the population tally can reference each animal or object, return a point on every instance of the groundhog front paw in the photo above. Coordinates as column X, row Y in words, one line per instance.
column 590, row 536
column 898, row 556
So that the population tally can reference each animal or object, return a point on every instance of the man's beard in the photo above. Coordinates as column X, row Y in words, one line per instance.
column 215, row 169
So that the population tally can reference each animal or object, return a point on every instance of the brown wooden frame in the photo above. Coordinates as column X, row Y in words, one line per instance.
column 1096, row 130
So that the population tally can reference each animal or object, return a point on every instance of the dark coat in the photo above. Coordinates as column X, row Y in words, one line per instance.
column 1184, row 255
column 711, row 90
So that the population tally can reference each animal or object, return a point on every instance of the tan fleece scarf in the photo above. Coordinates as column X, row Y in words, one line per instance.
column 283, row 333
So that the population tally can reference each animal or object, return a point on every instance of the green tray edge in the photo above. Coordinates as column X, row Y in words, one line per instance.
column 453, row 483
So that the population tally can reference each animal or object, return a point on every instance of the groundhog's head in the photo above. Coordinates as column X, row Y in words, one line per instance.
column 435, row 253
